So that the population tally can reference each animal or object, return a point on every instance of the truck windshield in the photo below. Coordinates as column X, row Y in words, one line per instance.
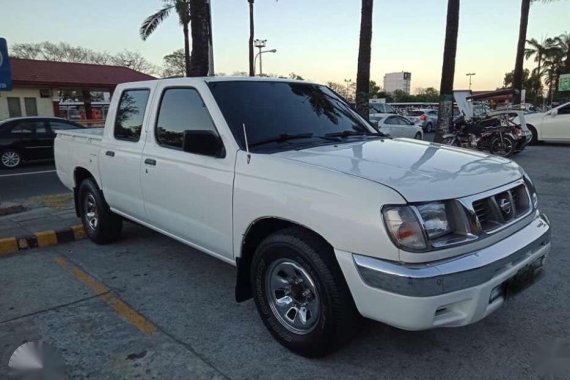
column 270, row 109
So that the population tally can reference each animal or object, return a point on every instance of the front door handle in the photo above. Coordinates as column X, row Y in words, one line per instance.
column 150, row 161
column 110, row 153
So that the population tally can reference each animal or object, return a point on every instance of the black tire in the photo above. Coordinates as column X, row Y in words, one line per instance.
column 532, row 130
column 333, row 322
column 506, row 148
column 10, row 159
column 418, row 136
column 429, row 128
column 103, row 226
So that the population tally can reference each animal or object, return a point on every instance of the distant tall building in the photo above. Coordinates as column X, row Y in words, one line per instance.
column 397, row 81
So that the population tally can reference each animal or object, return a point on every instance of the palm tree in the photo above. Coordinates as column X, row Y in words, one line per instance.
column 182, row 8
column 537, row 49
column 445, row 114
column 518, row 75
column 364, row 52
column 563, row 42
column 200, row 23
column 251, row 36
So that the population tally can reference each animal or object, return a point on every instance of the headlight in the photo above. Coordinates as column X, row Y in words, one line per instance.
column 531, row 189
column 418, row 228
column 434, row 216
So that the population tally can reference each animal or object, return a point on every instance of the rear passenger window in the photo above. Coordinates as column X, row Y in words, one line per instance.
column 130, row 115
column 181, row 109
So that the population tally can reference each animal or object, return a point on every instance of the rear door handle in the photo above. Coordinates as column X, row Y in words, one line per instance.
column 150, row 161
column 110, row 153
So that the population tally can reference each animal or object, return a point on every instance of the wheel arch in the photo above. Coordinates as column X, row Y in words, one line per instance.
column 532, row 127
column 79, row 175
column 256, row 232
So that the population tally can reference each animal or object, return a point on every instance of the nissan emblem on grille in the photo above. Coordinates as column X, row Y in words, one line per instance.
column 505, row 205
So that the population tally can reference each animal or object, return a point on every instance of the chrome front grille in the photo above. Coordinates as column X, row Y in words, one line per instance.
column 502, row 208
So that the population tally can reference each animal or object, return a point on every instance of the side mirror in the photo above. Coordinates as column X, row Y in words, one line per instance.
column 203, row 142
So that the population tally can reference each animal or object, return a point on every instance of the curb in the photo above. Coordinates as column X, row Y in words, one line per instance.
column 41, row 239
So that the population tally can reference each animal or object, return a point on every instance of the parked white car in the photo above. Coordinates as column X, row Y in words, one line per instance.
column 551, row 126
column 397, row 126
column 322, row 217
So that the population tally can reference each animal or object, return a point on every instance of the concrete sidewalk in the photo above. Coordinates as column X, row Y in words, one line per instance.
column 41, row 214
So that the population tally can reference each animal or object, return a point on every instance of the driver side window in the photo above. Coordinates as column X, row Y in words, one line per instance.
column 181, row 109
column 391, row 120
column 564, row 110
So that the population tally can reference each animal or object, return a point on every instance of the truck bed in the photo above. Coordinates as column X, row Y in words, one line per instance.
column 77, row 148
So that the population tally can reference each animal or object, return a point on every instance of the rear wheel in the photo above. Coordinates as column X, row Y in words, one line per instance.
column 100, row 223
column 300, row 293
column 418, row 136
column 504, row 147
column 10, row 159
column 429, row 128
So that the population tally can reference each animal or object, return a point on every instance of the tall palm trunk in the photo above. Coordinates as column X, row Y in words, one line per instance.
column 251, row 36
column 364, row 53
column 186, row 50
column 445, row 114
column 518, row 75
column 199, row 19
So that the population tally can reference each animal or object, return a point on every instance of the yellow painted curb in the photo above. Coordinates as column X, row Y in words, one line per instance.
column 78, row 231
column 8, row 245
column 46, row 238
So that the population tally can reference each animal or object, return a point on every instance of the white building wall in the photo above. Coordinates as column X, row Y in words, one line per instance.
column 398, row 81
column 44, row 105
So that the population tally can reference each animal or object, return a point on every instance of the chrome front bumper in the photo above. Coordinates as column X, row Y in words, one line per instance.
column 467, row 271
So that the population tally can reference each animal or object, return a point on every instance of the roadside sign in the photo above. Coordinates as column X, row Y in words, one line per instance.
column 564, row 82
column 5, row 69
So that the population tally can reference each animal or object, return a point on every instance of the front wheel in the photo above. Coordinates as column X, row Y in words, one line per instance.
column 451, row 140
column 534, row 139
column 504, row 147
column 418, row 136
column 10, row 159
column 300, row 293
column 101, row 225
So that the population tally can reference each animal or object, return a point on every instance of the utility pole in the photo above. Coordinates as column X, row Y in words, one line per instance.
column 470, row 75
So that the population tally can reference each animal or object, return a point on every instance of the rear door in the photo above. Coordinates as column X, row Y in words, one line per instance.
column 34, row 140
column 120, row 156
column 187, row 195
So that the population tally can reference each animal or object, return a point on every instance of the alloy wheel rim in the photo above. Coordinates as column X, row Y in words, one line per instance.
column 292, row 296
column 10, row 159
column 91, row 215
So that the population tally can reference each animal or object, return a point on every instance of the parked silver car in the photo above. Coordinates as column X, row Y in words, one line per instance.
column 425, row 118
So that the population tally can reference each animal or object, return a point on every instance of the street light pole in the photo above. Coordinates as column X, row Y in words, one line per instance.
column 260, row 44
column 470, row 75
column 259, row 55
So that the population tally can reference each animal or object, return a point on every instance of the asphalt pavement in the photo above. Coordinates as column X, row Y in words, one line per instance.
column 31, row 180
column 149, row 307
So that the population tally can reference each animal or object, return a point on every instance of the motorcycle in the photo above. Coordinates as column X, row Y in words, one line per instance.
column 488, row 134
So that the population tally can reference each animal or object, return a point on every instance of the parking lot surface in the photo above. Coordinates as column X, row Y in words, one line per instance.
column 31, row 180
column 149, row 307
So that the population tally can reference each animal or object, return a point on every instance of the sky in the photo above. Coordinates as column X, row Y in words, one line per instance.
column 317, row 39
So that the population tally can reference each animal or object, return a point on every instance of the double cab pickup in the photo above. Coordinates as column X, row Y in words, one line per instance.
column 325, row 218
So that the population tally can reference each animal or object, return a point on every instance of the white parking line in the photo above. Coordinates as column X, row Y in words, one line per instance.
column 28, row 173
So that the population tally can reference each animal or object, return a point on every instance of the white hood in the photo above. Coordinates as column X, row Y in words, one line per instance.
column 418, row 170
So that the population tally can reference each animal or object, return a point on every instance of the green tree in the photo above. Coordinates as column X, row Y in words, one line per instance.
column 532, row 84
column 373, row 89
column 445, row 114
column 174, row 64
column 364, row 56
column 182, row 9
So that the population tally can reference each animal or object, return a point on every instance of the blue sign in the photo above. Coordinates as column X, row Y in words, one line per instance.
column 5, row 69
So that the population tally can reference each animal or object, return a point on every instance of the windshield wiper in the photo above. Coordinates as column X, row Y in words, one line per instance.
column 283, row 138
column 349, row 133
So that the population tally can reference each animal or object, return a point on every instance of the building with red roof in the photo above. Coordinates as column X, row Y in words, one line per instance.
column 36, row 85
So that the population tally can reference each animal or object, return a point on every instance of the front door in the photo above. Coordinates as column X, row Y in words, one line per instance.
column 557, row 127
column 187, row 195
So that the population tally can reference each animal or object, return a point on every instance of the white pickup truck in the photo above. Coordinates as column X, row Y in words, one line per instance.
column 324, row 218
